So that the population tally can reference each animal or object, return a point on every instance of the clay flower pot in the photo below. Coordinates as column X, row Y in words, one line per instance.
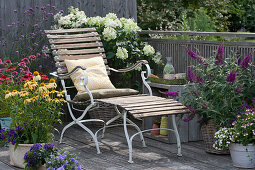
column 155, row 132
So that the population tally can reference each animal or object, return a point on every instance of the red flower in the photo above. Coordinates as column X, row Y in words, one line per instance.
column 10, row 68
column 2, row 70
column 8, row 62
column 23, row 64
column 1, row 62
column 32, row 57
column 4, row 78
column 25, row 77
column 44, row 77
column 26, row 60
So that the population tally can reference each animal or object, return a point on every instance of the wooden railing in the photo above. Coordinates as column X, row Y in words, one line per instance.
column 176, row 48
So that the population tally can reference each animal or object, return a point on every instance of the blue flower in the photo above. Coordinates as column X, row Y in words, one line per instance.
column 49, row 146
column 35, row 146
column 25, row 156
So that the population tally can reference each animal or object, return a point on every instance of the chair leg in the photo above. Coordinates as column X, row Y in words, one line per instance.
column 139, row 130
column 129, row 142
column 64, row 129
column 109, row 122
column 177, row 136
column 91, row 134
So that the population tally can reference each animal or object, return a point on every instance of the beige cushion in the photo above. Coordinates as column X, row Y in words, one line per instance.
column 97, row 74
column 105, row 93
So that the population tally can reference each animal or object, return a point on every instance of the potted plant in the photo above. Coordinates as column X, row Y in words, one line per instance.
column 240, row 139
column 36, row 109
column 47, row 156
column 11, row 77
column 156, row 125
column 217, row 87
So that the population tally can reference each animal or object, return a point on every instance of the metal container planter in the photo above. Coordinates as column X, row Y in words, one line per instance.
column 242, row 156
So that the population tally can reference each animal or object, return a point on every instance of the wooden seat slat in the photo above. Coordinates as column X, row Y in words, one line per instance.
column 76, row 40
column 161, row 113
column 76, row 45
column 158, row 109
column 77, row 57
column 153, row 106
column 75, row 52
column 93, row 34
column 76, row 30
column 150, row 103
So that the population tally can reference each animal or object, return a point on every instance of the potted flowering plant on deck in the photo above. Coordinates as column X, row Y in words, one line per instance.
column 35, row 109
column 240, row 139
column 221, row 86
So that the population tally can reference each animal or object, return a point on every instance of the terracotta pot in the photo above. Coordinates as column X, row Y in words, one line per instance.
column 17, row 156
column 155, row 132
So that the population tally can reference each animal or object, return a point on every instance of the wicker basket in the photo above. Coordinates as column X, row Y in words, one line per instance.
column 104, row 113
column 208, row 132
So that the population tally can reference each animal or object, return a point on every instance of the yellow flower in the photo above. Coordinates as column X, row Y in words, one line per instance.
column 45, row 95
column 42, row 84
column 55, row 100
column 59, row 94
column 27, row 101
column 23, row 93
column 62, row 100
column 43, row 89
column 52, row 81
column 7, row 94
column 36, row 73
column 14, row 92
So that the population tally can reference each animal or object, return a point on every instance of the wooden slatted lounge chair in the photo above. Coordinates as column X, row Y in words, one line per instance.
column 84, row 43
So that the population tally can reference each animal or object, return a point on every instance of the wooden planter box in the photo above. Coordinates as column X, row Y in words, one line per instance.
column 188, row 131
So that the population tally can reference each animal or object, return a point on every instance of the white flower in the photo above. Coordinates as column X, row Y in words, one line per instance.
column 122, row 53
column 109, row 33
column 111, row 16
column 129, row 25
column 112, row 23
column 148, row 50
column 157, row 58
column 95, row 21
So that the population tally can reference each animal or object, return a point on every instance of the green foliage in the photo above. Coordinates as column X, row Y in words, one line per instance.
column 120, row 38
column 220, row 88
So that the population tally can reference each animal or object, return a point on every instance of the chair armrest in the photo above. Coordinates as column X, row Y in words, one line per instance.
column 71, row 72
column 137, row 64
column 144, row 78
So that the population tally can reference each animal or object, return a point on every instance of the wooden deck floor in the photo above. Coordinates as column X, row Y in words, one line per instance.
column 157, row 155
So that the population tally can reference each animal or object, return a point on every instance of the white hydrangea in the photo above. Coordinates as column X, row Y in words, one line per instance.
column 95, row 21
column 157, row 58
column 111, row 16
column 122, row 53
column 148, row 50
column 108, row 22
column 109, row 33
column 129, row 25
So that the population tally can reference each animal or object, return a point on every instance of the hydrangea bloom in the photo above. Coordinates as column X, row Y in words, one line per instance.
column 109, row 33
column 122, row 53
column 148, row 50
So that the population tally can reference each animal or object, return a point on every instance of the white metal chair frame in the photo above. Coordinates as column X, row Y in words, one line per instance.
column 120, row 114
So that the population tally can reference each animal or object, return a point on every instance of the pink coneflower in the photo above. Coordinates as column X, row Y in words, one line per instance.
column 11, row 68
column 4, row 78
column 32, row 57
column 7, row 62
column 23, row 64
column 26, row 60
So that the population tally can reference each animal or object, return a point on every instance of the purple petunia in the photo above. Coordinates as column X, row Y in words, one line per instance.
column 35, row 146
column 220, row 55
column 49, row 146
column 246, row 61
column 231, row 77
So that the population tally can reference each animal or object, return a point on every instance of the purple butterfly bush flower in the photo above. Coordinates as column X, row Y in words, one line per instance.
column 220, row 55
column 231, row 77
column 238, row 90
column 246, row 61
column 192, row 54
column 191, row 75
column 172, row 93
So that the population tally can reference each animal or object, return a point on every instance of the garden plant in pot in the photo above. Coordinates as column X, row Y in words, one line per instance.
column 240, row 139
column 11, row 76
column 47, row 156
column 34, row 110
column 156, row 125
column 221, row 86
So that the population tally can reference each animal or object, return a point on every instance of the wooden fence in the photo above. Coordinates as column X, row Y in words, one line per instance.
column 177, row 48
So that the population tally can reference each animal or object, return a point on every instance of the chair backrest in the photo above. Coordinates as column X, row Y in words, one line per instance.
column 74, row 44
